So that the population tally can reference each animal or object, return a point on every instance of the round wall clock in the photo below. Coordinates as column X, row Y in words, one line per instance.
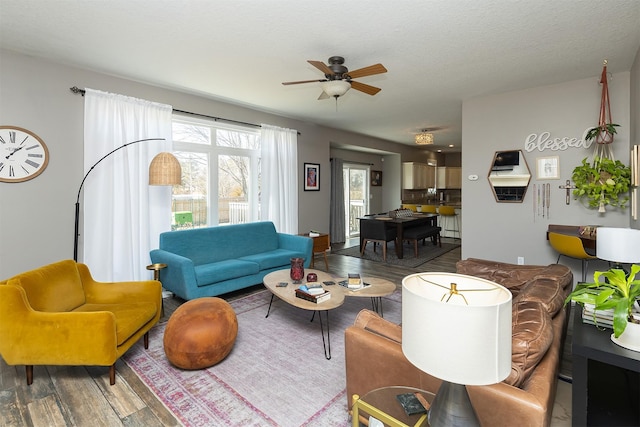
column 23, row 154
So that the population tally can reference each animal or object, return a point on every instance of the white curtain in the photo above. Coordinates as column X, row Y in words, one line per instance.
column 279, row 201
column 122, row 215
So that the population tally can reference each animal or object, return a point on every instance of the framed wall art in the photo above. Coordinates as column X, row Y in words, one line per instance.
column 311, row 177
column 376, row 178
column 548, row 167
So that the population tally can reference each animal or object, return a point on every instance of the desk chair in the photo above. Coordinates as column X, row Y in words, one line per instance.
column 448, row 213
column 572, row 247
column 376, row 231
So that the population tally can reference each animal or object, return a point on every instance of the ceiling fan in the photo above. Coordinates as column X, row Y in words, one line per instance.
column 338, row 78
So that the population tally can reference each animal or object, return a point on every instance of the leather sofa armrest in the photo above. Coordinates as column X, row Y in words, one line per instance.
column 374, row 358
column 373, row 323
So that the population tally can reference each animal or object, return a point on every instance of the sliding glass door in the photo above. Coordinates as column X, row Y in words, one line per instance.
column 356, row 196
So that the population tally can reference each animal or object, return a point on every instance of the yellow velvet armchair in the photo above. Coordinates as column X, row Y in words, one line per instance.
column 59, row 315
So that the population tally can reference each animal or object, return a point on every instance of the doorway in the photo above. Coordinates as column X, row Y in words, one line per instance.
column 356, row 196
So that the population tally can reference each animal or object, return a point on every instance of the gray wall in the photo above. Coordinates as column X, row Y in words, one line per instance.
column 36, row 217
column 505, row 231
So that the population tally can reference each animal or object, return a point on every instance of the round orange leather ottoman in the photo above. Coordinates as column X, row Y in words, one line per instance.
column 200, row 333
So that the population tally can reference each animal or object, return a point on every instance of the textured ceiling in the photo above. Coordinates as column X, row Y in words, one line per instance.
column 438, row 53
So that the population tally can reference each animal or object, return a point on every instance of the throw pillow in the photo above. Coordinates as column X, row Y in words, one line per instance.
column 531, row 338
column 547, row 292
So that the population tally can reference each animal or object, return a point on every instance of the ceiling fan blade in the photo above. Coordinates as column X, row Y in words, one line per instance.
column 371, row 90
column 321, row 66
column 323, row 95
column 304, row 81
column 367, row 71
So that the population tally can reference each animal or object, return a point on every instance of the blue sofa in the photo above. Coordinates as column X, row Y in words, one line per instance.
column 215, row 260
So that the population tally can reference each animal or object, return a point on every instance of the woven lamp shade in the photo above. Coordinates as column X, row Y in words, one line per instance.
column 165, row 170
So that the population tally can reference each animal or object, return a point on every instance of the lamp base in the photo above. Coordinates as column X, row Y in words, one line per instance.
column 452, row 407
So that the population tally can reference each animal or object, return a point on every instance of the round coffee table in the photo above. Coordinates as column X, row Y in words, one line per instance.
column 288, row 295
column 378, row 289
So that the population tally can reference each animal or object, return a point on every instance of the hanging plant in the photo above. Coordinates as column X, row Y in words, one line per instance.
column 605, row 182
column 603, row 134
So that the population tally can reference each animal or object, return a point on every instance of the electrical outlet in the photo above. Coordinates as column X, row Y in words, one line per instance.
column 520, row 260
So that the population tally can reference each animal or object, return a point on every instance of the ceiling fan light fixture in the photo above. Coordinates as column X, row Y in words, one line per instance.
column 335, row 88
column 424, row 138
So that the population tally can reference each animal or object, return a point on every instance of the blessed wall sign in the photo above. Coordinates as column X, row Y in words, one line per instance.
column 543, row 141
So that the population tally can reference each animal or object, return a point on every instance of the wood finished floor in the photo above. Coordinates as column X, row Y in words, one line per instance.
column 82, row 396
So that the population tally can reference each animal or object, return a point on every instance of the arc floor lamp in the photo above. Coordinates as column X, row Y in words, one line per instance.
column 163, row 170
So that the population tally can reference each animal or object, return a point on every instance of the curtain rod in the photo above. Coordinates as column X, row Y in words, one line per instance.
column 77, row 90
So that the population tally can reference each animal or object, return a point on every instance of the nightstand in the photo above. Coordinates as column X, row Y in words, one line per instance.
column 321, row 244
column 383, row 405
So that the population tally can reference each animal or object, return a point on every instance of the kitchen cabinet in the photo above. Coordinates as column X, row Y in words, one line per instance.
column 449, row 177
column 417, row 176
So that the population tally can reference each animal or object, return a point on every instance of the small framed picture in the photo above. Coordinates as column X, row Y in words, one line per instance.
column 376, row 178
column 548, row 167
column 311, row 177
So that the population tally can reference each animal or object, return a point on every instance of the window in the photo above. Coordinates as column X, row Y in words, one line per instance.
column 220, row 174
column 356, row 192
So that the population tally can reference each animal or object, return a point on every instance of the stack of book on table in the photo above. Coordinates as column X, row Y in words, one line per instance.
column 354, row 282
column 597, row 317
column 313, row 292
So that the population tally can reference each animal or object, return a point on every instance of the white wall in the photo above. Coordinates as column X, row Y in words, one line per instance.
column 505, row 231
column 36, row 217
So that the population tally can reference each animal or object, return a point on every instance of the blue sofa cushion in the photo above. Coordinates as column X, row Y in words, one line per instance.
column 207, row 274
column 271, row 259
column 211, row 244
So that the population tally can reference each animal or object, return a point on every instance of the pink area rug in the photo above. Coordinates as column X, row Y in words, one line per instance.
column 276, row 374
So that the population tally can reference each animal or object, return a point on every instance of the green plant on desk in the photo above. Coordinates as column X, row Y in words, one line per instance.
column 618, row 292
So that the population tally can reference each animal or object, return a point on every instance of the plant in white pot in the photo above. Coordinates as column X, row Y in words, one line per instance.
column 618, row 292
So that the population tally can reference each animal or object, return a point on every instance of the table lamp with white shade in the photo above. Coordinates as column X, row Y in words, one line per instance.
column 456, row 328
column 618, row 245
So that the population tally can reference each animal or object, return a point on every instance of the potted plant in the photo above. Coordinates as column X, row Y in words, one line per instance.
column 605, row 182
column 618, row 292
column 602, row 134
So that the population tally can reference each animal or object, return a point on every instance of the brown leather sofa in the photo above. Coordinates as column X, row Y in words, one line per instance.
column 374, row 357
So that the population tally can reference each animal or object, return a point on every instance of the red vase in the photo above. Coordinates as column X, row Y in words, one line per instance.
column 297, row 270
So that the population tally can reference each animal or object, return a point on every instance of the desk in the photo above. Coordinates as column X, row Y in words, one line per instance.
column 590, row 344
column 588, row 242
column 399, row 223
